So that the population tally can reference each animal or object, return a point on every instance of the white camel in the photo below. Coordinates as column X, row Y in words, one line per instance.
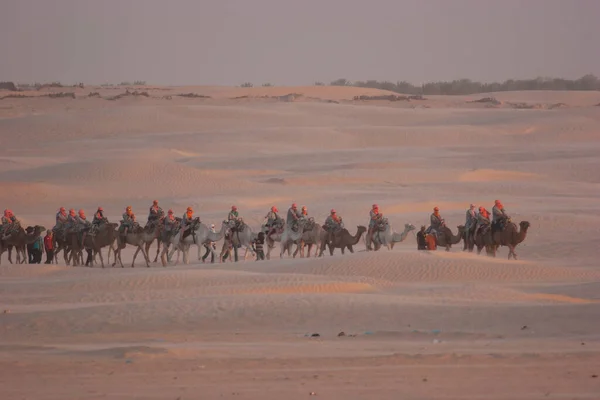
column 387, row 237
column 245, row 238
column 200, row 235
column 289, row 237
column 310, row 238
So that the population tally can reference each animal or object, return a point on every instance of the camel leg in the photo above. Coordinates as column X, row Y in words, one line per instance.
column 120, row 260
column 99, row 252
column 147, row 246
column 351, row 249
column 163, row 258
column 511, row 252
column 158, row 243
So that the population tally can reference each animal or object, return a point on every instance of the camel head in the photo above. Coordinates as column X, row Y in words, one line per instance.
column 361, row 229
column 37, row 230
column 524, row 225
column 461, row 229
column 409, row 227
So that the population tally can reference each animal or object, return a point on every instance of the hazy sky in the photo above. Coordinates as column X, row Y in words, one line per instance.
column 295, row 42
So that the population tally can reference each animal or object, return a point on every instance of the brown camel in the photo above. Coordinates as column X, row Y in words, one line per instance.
column 481, row 240
column 446, row 238
column 20, row 239
column 106, row 236
column 61, row 242
column 510, row 237
column 74, row 249
column 4, row 247
column 140, row 238
column 342, row 240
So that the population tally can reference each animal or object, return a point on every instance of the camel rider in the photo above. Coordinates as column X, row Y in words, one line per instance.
column 170, row 223
column 234, row 216
column 128, row 222
column 82, row 224
column 436, row 221
column 471, row 219
column 186, row 220
column 374, row 219
column 483, row 220
column 333, row 225
column 156, row 213
column 61, row 220
column 272, row 221
column 499, row 216
column 98, row 220
column 293, row 216
column 10, row 223
column 304, row 213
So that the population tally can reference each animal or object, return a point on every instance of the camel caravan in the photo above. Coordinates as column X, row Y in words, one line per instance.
column 74, row 234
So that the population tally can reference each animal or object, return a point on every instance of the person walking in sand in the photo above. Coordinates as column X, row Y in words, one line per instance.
column 49, row 247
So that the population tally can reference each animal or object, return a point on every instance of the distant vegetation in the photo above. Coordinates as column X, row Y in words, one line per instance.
column 135, row 83
column 247, row 84
column 466, row 86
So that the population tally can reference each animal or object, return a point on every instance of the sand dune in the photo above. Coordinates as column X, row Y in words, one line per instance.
column 417, row 324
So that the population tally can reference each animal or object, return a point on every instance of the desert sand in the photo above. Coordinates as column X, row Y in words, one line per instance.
column 417, row 325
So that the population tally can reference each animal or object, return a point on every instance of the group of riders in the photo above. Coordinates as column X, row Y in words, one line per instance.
column 169, row 225
column 477, row 221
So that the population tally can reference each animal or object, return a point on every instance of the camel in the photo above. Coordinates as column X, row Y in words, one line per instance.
column 509, row 237
column 445, row 239
column 271, row 239
column 199, row 235
column 311, row 237
column 342, row 240
column 289, row 237
column 481, row 240
column 387, row 237
column 20, row 239
column 469, row 239
column 106, row 236
column 245, row 238
column 5, row 247
column 61, row 243
column 140, row 237
column 155, row 224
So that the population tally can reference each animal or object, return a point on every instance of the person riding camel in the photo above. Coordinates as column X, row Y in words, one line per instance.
column 436, row 222
column 471, row 220
column 71, row 223
column 483, row 221
column 499, row 216
column 186, row 221
column 10, row 223
column 333, row 225
column 293, row 216
column 234, row 216
column 375, row 218
column 170, row 224
column 155, row 214
column 128, row 222
column 98, row 220
column 272, row 221
column 61, row 220
column 304, row 212
column 82, row 224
